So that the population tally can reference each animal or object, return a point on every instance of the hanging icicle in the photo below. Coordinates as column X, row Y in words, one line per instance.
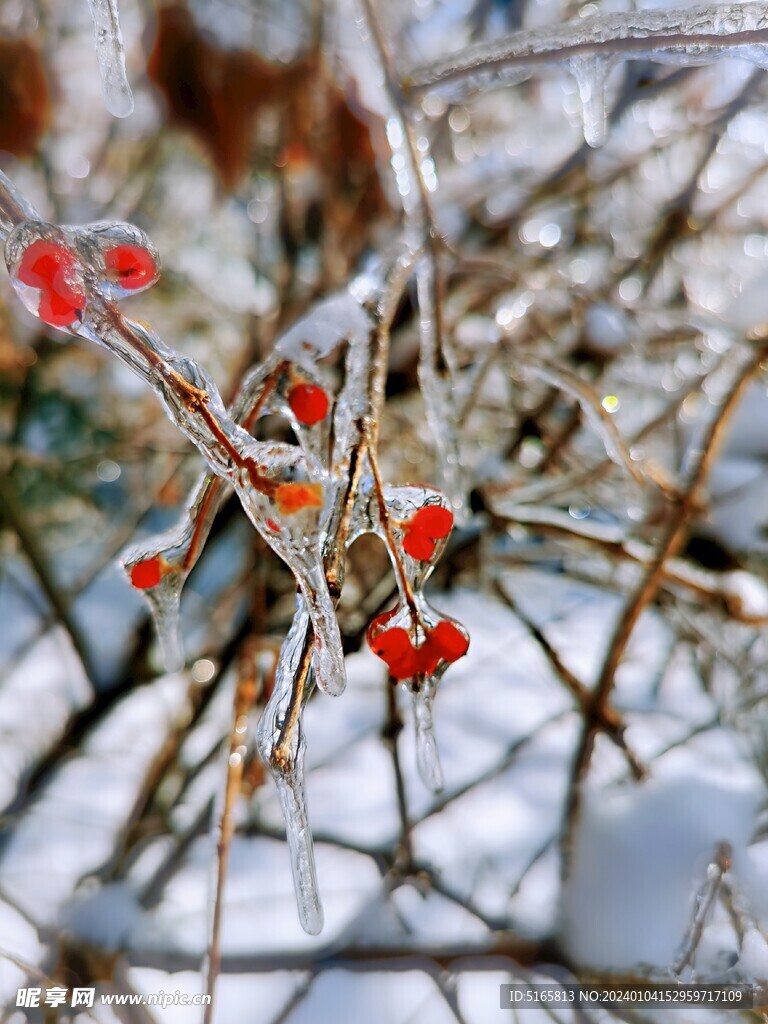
column 110, row 53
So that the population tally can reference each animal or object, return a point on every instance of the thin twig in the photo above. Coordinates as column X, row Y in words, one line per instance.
column 246, row 694
column 672, row 540
column 706, row 30
column 59, row 605
column 610, row 721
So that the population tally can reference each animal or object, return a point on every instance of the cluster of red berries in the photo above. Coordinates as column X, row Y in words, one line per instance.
column 55, row 272
column 444, row 643
column 422, row 532
column 447, row 642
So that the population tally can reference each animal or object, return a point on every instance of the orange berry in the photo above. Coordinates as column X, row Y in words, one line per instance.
column 292, row 498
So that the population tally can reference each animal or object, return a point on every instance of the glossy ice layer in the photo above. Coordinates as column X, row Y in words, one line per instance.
column 308, row 500
column 110, row 53
column 589, row 46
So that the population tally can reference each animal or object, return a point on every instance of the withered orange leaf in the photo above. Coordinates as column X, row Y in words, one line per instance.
column 210, row 91
column 25, row 100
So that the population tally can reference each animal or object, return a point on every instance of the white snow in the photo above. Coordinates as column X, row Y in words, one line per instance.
column 640, row 851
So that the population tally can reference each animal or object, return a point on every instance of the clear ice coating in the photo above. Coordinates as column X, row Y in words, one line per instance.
column 164, row 601
column 427, row 755
column 280, row 742
column 110, row 54
column 571, row 384
column 309, row 500
column 691, row 36
column 125, row 259
column 160, row 565
column 298, row 833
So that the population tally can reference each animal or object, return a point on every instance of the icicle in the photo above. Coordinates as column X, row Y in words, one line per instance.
column 165, row 600
column 160, row 565
column 287, row 767
column 591, row 73
column 427, row 756
column 110, row 54
column 290, row 788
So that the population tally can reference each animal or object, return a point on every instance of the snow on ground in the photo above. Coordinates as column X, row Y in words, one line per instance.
column 506, row 732
column 641, row 849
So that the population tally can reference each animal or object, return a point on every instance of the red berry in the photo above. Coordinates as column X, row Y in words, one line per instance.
column 418, row 546
column 435, row 520
column 448, row 642
column 428, row 657
column 430, row 524
column 146, row 574
column 309, row 403
column 130, row 266
column 394, row 647
column 53, row 270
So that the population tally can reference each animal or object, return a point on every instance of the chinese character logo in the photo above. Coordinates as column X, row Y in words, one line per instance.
column 28, row 997
column 82, row 996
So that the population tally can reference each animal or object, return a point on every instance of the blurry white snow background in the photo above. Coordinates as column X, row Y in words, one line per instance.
column 111, row 771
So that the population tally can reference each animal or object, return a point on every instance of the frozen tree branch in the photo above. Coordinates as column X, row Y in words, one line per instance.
column 590, row 47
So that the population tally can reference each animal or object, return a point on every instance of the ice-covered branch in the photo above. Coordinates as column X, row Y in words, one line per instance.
column 589, row 47
column 69, row 277
column 309, row 500
column 743, row 593
column 416, row 179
